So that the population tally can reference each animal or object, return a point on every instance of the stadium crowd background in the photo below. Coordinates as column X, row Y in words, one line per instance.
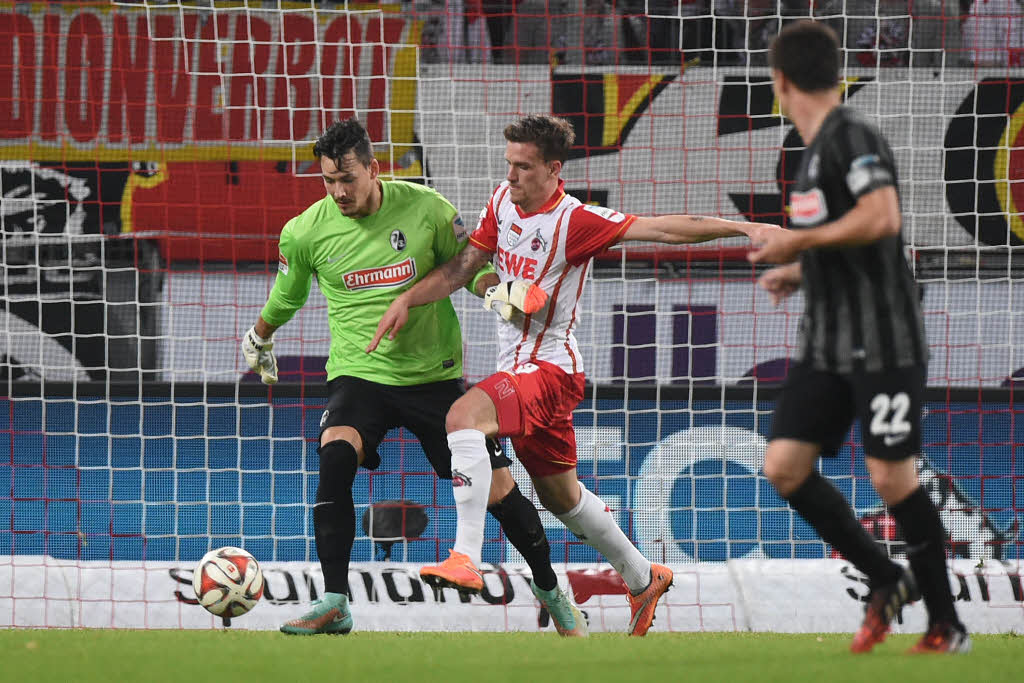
column 924, row 33
column 919, row 33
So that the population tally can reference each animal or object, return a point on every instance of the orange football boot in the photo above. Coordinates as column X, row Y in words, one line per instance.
column 642, row 605
column 458, row 571
column 884, row 603
column 943, row 638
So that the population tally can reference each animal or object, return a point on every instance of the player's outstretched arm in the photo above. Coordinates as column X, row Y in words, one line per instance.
column 289, row 294
column 438, row 284
column 875, row 216
column 681, row 229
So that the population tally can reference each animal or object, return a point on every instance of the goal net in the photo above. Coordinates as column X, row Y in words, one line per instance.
column 153, row 150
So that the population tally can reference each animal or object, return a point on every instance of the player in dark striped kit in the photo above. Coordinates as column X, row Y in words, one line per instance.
column 863, row 352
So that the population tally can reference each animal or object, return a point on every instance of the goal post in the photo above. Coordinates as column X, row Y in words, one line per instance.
column 152, row 151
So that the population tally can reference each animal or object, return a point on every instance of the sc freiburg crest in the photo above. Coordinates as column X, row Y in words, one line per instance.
column 397, row 240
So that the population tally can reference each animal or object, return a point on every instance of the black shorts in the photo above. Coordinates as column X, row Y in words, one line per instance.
column 372, row 409
column 818, row 407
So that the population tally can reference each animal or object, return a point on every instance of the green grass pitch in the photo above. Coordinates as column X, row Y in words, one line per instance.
column 187, row 656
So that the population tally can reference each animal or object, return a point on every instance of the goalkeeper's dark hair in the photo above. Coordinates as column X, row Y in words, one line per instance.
column 343, row 137
column 552, row 135
column 807, row 53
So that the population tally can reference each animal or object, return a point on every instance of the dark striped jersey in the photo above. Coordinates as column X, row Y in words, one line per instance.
column 863, row 309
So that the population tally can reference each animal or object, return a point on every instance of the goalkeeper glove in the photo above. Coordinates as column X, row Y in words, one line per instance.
column 259, row 354
column 506, row 297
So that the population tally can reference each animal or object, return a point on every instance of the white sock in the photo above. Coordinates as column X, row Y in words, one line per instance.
column 471, row 485
column 592, row 522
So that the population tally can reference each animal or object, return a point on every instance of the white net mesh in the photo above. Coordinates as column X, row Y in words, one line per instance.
column 155, row 149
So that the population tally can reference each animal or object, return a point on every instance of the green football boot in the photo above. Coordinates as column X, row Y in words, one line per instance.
column 329, row 615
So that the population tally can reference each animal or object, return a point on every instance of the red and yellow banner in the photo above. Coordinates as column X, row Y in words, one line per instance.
column 206, row 119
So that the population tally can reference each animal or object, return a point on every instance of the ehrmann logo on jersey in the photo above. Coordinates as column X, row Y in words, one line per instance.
column 384, row 276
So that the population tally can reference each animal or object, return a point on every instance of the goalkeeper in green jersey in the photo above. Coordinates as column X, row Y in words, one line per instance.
column 368, row 241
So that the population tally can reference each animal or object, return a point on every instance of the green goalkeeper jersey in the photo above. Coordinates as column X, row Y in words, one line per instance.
column 361, row 266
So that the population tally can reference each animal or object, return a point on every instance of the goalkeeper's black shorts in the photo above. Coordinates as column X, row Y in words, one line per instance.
column 818, row 407
column 373, row 409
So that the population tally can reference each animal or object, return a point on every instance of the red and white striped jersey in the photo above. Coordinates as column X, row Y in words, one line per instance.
column 552, row 247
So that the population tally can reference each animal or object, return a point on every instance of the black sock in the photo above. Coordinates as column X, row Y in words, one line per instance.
column 334, row 515
column 521, row 523
column 825, row 509
column 926, row 550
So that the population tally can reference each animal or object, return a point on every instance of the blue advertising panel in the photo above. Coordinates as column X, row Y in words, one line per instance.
column 165, row 479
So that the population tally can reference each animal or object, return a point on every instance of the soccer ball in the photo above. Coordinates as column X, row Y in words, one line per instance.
column 228, row 582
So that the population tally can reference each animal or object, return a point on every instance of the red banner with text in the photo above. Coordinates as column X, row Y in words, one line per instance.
column 193, row 126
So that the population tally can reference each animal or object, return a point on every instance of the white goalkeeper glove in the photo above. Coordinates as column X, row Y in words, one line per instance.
column 259, row 354
column 506, row 298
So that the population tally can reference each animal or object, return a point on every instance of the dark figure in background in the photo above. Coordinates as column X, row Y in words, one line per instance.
column 863, row 352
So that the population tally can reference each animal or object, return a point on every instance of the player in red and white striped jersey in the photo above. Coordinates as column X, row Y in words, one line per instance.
column 542, row 242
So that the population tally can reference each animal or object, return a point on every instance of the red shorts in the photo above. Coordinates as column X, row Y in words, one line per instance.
column 535, row 403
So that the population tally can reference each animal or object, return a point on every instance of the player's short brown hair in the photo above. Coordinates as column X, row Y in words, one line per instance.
column 807, row 53
column 343, row 137
column 552, row 135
